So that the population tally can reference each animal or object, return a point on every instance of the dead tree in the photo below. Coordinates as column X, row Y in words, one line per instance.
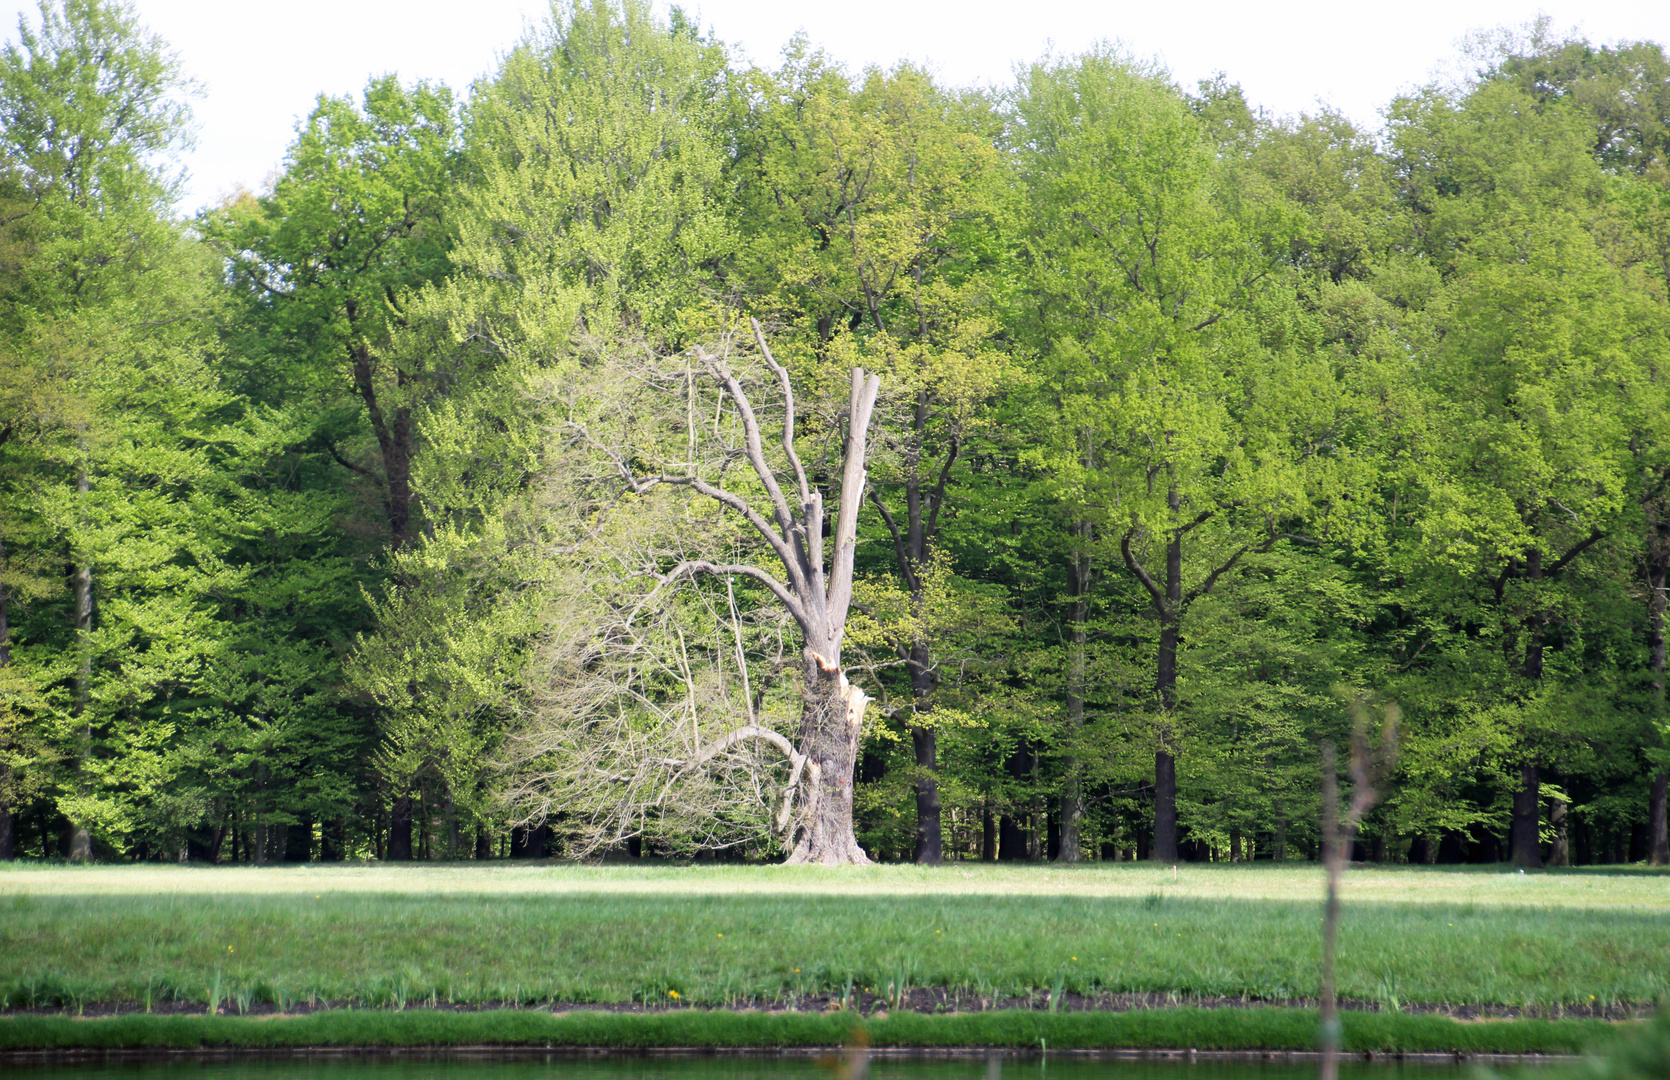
column 623, row 771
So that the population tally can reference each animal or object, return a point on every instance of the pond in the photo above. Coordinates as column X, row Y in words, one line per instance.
column 723, row 1067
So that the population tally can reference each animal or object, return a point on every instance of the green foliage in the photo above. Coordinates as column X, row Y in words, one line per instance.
column 1195, row 422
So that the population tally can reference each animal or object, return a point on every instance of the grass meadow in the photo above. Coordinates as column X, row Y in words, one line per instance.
column 232, row 939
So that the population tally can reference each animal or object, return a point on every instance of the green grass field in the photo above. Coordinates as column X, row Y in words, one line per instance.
column 1203, row 1029
column 409, row 936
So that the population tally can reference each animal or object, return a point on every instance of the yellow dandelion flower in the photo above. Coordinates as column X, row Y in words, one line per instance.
column 672, row 993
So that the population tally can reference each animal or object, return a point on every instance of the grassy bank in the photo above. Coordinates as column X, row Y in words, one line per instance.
column 402, row 936
column 1203, row 1029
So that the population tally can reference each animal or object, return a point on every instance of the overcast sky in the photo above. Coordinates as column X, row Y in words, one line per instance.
column 262, row 65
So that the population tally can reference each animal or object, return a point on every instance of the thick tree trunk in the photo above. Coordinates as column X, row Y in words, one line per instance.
column 1658, row 840
column 81, row 840
column 1560, row 853
column 483, row 844
column 1165, row 808
column 393, row 429
column 924, row 740
column 831, row 719
column 1165, row 688
column 400, row 830
column 1658, row 565
column 1524, row 841
column 988, row 834
column 1072, row 790
column 1524, row 831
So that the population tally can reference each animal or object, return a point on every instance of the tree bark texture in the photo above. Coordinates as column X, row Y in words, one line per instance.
column 831, row 718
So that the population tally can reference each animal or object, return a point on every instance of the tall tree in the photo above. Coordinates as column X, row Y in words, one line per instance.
column 1523, row 450
column 356, row 220
column 875, row 216
column 1187, row 431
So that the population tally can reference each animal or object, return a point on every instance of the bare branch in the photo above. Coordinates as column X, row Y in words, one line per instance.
column 1155, row 593
column 788, row 414
column 740, row 505
column 755, row 449
column 905, row 569
column 853, row 478
column 939, row 487
column 702, row 566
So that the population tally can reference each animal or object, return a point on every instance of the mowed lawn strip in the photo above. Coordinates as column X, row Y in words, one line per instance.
column 568, row 942
column 1203, row 1029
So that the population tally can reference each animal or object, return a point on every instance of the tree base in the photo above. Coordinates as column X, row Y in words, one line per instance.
column 836, row 853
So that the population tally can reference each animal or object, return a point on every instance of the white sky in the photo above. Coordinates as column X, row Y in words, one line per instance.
column 262, row 65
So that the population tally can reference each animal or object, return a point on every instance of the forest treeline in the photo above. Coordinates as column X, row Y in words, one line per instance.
column 327, row 516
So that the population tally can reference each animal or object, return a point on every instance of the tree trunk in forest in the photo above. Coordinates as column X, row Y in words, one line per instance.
column 924, row 741
column 8, row 843
column 394, row 432
column 483, row 844
column 1525, row 828
column 81, row 840
column 831, row 719
column 1560, row 854
column 1658, row 839
column 1524, row 839
column 913, row 549
column 1658, row 565
column 400, row 830
column 988, row 833
column 1165, row 691
column 1072, row 791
